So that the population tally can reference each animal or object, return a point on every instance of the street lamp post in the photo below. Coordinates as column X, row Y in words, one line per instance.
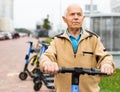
column 91, row 12
column 60, row 15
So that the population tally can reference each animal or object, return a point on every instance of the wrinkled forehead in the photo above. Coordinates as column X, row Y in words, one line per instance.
column 74, row 9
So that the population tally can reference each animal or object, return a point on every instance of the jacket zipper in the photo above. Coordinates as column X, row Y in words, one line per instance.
column 73, row 49
column 76, row 50
column 74, row 55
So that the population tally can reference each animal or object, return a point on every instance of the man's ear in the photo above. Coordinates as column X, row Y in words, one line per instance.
column 83, row 17
column 64, row 18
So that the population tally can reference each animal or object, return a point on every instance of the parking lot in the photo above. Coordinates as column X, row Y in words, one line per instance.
column 12, row 60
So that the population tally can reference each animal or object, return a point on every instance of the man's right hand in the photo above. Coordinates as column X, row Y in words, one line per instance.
column 50, row 67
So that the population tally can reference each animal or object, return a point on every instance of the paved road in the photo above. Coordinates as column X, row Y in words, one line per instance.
column 12, row 60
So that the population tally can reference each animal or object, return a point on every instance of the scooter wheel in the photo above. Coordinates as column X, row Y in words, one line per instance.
column 23, row 75
column 35, row 79
column 37, row 86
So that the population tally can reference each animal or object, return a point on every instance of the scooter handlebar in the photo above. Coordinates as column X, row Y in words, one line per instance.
column 79, row 70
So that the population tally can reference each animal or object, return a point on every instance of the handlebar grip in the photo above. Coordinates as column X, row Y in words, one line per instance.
column 66, row 70
column 95, row 71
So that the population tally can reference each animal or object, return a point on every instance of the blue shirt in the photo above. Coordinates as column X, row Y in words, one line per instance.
column 74, row 40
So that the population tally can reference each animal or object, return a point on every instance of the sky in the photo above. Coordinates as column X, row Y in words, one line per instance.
column 28, row 13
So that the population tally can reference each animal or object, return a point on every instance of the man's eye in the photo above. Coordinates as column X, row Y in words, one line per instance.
column 79, row 14
column 72, row 14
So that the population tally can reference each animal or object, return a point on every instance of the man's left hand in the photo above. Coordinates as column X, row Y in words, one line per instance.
column 107, row 68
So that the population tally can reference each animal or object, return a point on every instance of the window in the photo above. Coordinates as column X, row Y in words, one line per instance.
column 108, row 28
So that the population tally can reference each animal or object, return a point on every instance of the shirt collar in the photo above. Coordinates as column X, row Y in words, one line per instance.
column 72, row 36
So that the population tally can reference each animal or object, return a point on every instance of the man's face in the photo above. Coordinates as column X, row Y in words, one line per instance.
column 74, row 17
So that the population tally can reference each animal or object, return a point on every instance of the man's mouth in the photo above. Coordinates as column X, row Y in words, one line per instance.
column 75, row 23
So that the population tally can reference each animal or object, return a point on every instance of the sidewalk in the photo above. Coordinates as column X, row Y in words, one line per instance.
column 12, row 61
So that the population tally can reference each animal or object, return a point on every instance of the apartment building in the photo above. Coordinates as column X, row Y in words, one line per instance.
column 115, row 6
column 6, row 15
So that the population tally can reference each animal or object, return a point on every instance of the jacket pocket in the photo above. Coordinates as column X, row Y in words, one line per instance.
column 86, row 59
column 87, row 53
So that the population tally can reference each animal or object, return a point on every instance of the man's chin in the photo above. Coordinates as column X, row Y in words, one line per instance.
column 76, row 27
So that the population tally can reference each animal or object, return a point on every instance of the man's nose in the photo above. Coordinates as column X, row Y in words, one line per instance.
column 76, row 16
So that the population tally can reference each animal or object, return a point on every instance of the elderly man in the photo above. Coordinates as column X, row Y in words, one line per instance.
column 76, row 47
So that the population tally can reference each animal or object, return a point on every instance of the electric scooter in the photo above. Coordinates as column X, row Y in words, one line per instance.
column 40, row 77
column 76, row 72
column 36, row 73
column 33, row 61
column 23, row 75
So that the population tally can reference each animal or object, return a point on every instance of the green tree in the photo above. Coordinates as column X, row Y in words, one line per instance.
column 46, row 23
column 22, row 30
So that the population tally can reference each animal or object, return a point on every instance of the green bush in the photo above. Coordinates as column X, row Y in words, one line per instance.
column 111, row 83
column 48, row 40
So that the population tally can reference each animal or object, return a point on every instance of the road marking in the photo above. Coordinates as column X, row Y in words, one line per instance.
column 12, row 74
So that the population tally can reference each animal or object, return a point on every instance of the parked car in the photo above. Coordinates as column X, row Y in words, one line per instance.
column 15, row 35
column 2, row 37
column 5, row 35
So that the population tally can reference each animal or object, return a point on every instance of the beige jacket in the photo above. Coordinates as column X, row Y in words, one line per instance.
column 90, row 54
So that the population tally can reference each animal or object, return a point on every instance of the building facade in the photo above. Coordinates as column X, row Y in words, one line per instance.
column 108, row 27
column 6, row 15
column 115, row 6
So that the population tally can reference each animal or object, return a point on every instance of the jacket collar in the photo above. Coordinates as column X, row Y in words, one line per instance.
column 83, row 36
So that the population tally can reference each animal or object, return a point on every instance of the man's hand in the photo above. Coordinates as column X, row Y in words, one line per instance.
column 107, row 68
column 50, row 67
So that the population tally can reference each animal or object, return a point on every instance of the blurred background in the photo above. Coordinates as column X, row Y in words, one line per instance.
column 43, row 18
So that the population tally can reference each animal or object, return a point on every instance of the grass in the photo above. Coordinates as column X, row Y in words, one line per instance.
column 111, row 83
